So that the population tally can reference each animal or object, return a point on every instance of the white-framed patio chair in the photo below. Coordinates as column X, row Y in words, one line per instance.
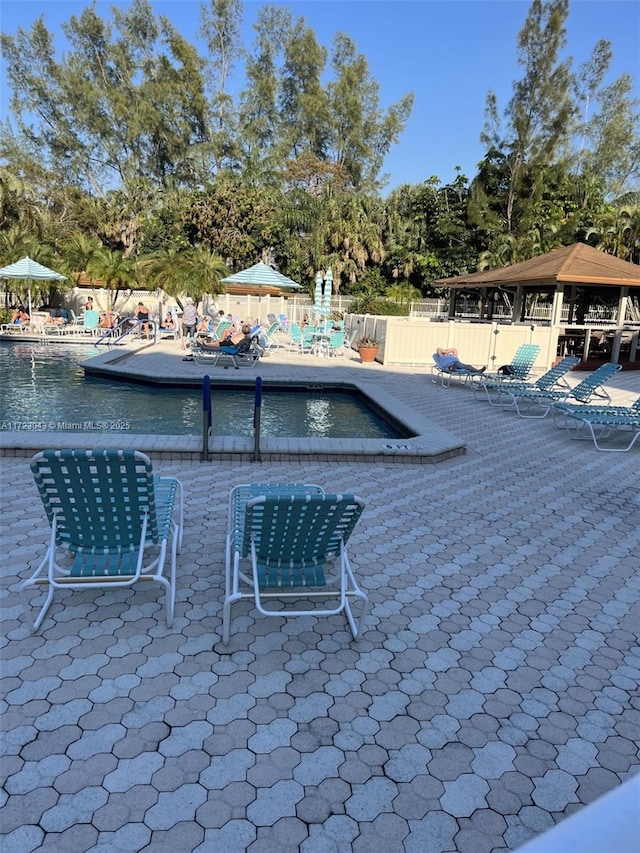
column 554, row 378
column 292, row 534
column 441, row 369
column 91, row 321
column 537, row 403
column 334, row 344
column 111, row 523
column 349, row 342
column 308, row 341
column 243, row 355
column 268, row 339
column 168, row 333
column 604, row 423
column 295, row 337
column 220, row 331
column 519, row 370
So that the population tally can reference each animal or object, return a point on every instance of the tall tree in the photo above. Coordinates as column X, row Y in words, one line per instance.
column 360, row 132
column 115, row 272
column 259, row 116
column 196, row 271
column 303, row 100
column 540, row 113
column 220, row 27
column 125, row 103
column 612, row 137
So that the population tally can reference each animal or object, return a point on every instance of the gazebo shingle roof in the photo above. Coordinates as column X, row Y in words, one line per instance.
column 576, row 264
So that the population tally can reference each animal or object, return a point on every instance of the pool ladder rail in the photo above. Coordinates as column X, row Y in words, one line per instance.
column 207, row 418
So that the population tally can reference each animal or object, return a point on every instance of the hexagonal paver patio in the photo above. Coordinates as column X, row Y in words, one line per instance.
column 493, row 693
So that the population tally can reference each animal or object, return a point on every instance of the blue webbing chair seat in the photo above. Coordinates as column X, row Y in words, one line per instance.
column 553, row 379
column 520, row 368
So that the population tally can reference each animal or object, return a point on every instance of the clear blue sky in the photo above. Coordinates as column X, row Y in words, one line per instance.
column 449, row 53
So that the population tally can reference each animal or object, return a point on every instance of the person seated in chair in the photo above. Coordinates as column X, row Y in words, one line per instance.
column 168, row 322
column 447, row 359
column 108, row 320
column 55, row 318
column 216, row 320
column 236, row 342
column 20, row 316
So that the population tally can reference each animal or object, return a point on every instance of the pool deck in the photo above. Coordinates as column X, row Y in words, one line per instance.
column 493, row 693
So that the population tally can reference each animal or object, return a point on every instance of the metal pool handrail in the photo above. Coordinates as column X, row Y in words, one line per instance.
column 257, row 412
column 206, row 417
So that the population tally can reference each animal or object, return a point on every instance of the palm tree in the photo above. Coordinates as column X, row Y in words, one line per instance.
column 403, row 293
column 203, row 271
column 195, row 271
column 617, row 230
column 18, row 205
column 116, row 273
column 15, row 243
column 78, row 253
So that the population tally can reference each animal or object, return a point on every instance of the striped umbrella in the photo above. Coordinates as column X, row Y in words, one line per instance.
column 29, row 270
column 318, row 304
column 262, row 274
column 328, row 291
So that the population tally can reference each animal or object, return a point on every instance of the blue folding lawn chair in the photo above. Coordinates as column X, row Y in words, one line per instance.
column 295, row 538
column 111, row 523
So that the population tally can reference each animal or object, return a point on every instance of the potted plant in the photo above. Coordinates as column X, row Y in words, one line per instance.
column 368, row 348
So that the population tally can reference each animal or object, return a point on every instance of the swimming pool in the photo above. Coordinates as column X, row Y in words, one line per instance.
column 45, row 389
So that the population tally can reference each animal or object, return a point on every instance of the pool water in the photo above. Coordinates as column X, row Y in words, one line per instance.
column 44, row 388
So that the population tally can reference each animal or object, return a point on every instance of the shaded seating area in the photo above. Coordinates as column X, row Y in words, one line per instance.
column 589, row 299
column 294, row 538
column 111, row 524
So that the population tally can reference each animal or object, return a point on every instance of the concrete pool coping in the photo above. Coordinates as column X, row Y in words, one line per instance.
column 158, row 366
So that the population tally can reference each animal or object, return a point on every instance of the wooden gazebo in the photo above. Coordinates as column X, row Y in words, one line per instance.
column 575, row 274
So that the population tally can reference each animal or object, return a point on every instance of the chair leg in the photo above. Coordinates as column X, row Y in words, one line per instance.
column 48, row 562
column 353, row 591
column 34, row 580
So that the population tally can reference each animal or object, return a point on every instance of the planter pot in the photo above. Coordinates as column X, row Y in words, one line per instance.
column 368, row 354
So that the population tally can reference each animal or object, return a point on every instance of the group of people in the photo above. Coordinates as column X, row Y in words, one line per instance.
column 236, row 334
column 204, row 328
